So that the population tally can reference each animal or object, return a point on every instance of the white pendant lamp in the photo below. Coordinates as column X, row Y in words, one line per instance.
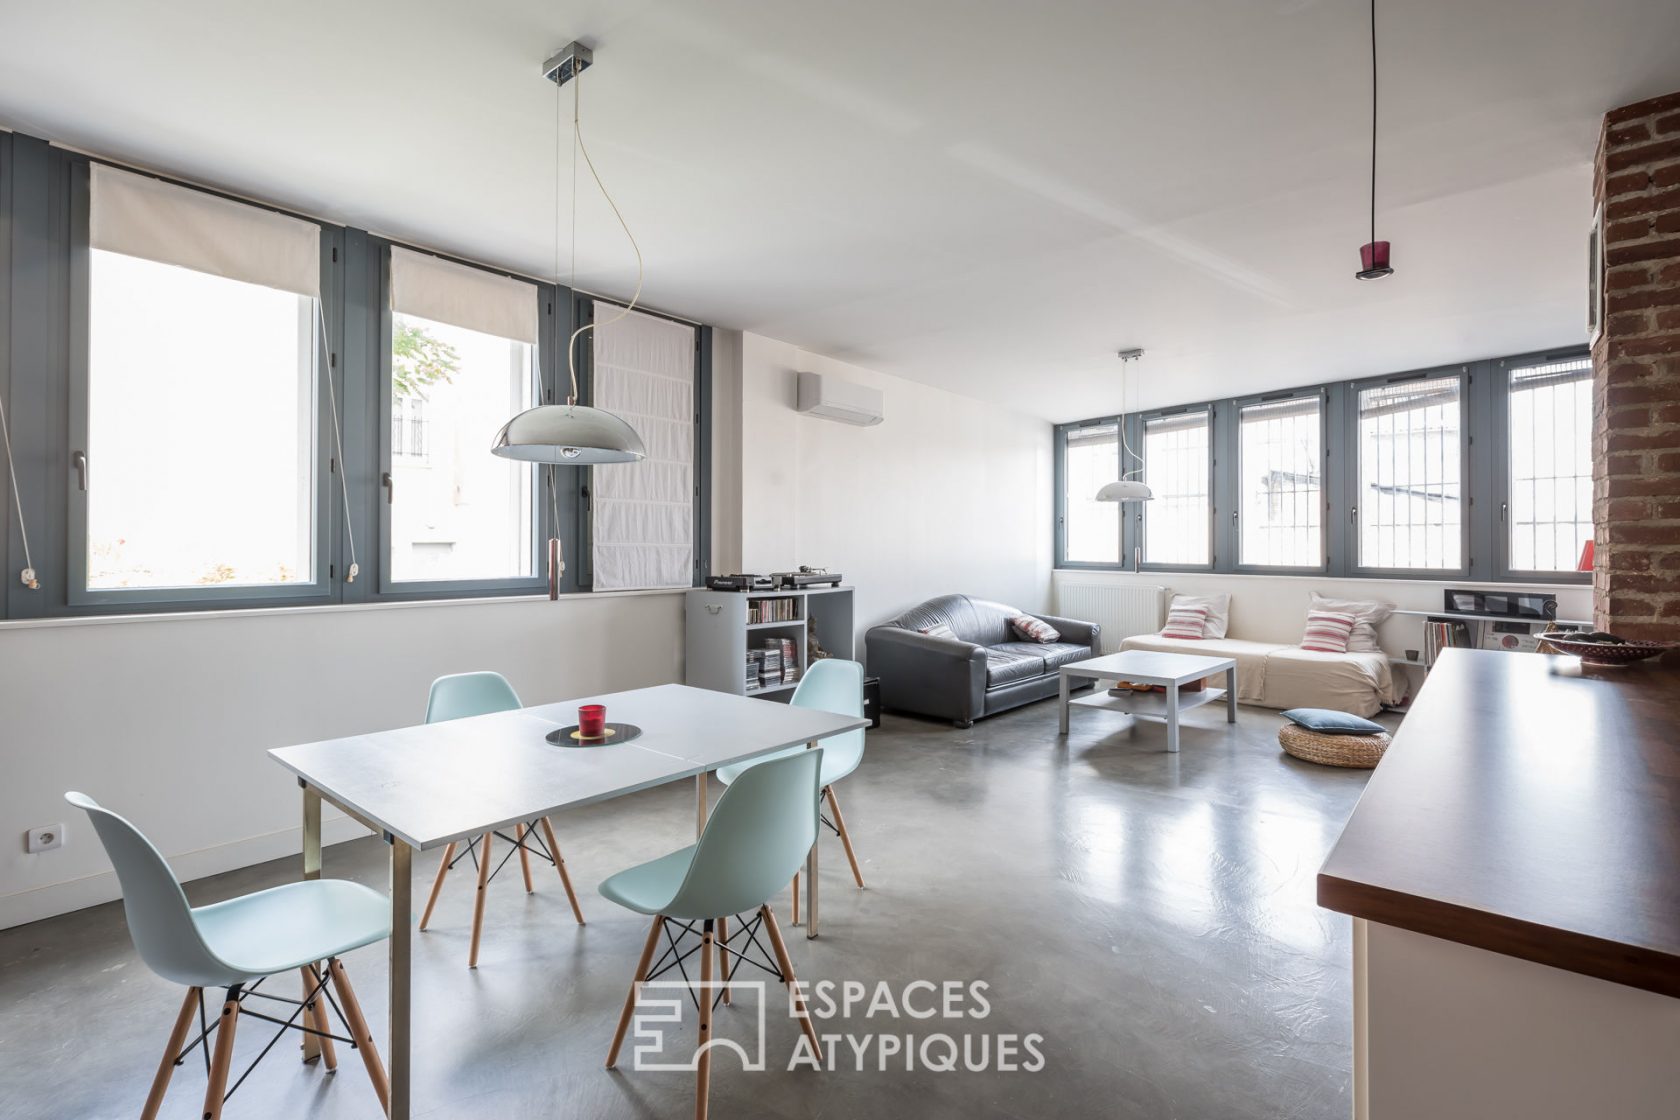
column 572, row 434
column 1125, row 488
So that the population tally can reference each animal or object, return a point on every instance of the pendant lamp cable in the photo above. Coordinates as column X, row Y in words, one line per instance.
column 28, row 573
column 1124, row 446
column 580, row 146
column 354, row 569
column 1373, row 121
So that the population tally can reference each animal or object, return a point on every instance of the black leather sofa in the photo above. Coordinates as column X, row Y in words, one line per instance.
column 985, row 669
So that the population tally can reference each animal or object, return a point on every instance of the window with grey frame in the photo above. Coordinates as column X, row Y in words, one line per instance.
column 256, row 406
column 1467, row 472
column 1280, row 482
column 192, row 313
column 463, row 353
column 1408, row 499
column 1177, row 453
column 1546, row 514
column 1091, row 458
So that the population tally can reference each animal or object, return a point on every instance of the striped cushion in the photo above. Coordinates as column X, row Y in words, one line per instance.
column 938, row 630
column 1327, row 631
column 1034, row 630
column 1185, row 622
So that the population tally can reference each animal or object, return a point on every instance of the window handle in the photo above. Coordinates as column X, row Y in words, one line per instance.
column 79, row 460
column 390, row 489
column 1353, row 513
column 1504, row 509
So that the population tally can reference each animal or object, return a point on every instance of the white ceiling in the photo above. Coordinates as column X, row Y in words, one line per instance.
column 986, row 195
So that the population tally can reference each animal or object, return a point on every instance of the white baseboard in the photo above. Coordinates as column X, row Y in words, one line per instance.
column 77, row 894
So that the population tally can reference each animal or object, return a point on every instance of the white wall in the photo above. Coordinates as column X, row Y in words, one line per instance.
column 168, row 720
column 947, row 495
column 1274, row 608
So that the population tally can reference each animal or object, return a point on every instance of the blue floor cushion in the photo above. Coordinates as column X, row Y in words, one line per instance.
column 1326, row 722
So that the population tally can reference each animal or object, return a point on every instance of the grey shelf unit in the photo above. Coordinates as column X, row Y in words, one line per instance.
column 718, row 634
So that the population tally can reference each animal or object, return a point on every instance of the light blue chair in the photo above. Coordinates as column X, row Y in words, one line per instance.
column 238, row 944
column 461, row 696
column 764, row 824
column 830, row 685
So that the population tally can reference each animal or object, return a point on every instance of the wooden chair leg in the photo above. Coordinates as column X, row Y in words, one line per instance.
column 845, row 837
column 352, row 1008
column 437, row 884
column 796, row 898
column 223, row 1058
column 723, row 956
column 560, row 866
column 166, row 1068
column 703, row 1065
column 318, row 1018
column 635, row 989
column 524, row 857
column 478, row 903
column 785, row 963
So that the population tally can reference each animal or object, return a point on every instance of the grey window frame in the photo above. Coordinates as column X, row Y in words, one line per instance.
column 78, row 598
column 1060, row 474
column 1499, row 455
column 1232, row 482
column 1468, row 473
column 1139, row 422
column 1484, row 455
column 542, row 519
column 40, row 302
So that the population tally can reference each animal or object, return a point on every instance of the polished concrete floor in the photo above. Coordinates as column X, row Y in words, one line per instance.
column 1151, row 916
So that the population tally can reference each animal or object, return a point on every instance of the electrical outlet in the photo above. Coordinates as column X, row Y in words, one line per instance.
column 44, row 839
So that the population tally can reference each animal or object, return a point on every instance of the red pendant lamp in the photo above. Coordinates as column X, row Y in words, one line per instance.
column 1373, row 255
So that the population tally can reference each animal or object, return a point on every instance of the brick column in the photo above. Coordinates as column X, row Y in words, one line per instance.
column 1636, row 375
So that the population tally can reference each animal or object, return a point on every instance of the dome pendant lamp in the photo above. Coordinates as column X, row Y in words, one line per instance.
column 572, row 434
column 1373, row 255
column 1125, row 488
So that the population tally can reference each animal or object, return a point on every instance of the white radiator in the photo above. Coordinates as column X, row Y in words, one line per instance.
column 1121, row 609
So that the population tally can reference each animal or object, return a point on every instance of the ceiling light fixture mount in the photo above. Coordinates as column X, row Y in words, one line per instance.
column 572, row 60
column 1373, row 255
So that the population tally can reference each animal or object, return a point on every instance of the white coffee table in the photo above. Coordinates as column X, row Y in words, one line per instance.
column 1170, row 670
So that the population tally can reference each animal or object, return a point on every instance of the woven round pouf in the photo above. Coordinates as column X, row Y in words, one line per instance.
column 1359, row 752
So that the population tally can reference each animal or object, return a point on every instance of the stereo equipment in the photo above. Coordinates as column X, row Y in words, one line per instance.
column 740, row 582
column 806, row 576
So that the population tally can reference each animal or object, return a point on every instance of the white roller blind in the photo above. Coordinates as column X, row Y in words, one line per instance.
column 445, row 292
column 643, row 520
column 139, row 216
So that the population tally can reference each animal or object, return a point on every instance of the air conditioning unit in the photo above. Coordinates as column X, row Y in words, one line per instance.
column 834, row 398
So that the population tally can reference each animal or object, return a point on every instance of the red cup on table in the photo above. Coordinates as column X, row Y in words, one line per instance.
column 592, row 721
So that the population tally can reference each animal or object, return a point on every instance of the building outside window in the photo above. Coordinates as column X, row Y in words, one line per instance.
column 1281, row 480
column 1549, row 515
column 1092, row 527
column 1409, row 501
column 1177, row 468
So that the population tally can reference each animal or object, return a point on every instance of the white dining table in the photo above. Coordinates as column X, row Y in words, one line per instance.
column 425, row 786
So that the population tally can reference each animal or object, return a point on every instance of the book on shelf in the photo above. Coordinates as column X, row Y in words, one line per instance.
column 755, row 670
column 772, row 610
column 790, row 660
column 1440, row 634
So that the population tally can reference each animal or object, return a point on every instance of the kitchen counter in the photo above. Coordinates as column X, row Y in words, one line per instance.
column 1513, row 871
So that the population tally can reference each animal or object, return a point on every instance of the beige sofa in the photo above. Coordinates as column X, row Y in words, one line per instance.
column 1280, row 676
